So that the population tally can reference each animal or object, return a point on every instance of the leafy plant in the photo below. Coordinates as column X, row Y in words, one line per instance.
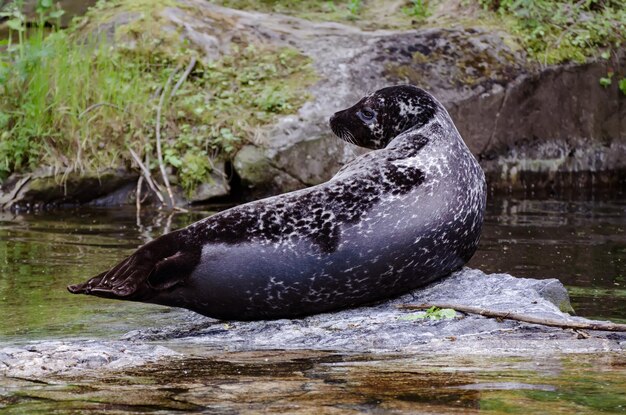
column 194, row 170
column 622, row 85
column 607, row 80
column 354, row 6
column 432, row 313
column 418, row 9
column 557, row 30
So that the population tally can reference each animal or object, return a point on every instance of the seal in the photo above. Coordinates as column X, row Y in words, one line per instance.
column 394, row 219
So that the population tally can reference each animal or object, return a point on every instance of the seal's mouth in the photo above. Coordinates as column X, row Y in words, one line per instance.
column 341, row 131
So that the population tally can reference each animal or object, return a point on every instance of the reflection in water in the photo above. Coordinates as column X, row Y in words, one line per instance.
column 40, row 254
column 581, row 243
column 320, row 382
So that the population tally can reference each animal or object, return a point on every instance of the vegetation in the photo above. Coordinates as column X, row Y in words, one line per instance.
column 555, row 31
column 551, row 31
column 433, row 313
column 367, row 14
column 78, row 101
column 418, row 9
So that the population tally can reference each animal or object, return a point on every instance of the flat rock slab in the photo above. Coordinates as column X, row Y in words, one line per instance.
column 63, row 357
column 381, row 328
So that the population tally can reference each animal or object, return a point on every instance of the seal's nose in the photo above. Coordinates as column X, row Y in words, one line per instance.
column 337, row 117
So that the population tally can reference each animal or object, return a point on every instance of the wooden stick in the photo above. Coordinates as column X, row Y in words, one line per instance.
column 596, row 325
column 98, row 105
column 138, row 194
column 158, row 137
column 138, row 202
column 146, row 174
column 184, row 76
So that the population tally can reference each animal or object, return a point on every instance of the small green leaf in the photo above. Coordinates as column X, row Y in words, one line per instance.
column 15, row 24
column 447, row 313
column 57, row 14
column 622, row 85
column 433, row 313
column 606, row 81
column 412, row 317
column 606, row 54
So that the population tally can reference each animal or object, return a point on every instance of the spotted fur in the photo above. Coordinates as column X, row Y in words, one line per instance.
column 394, row 219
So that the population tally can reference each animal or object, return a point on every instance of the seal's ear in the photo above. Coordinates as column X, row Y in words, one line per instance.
column 170, row 271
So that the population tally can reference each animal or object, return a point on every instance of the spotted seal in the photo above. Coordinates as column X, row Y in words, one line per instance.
column 405, row 214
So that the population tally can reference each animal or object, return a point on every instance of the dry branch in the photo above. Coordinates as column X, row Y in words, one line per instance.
column 184, row 76
column 138, row 194
column 146, row 175
column 596, row 325
column 158, row 137
column 98, row 105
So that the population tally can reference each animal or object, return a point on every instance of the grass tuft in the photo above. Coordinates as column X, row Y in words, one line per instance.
column 78, row 102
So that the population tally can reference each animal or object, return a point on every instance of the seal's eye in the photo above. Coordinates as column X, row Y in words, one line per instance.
column 366, row 114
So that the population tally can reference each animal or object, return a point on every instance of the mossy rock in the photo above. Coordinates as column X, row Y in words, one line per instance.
column 44, row 188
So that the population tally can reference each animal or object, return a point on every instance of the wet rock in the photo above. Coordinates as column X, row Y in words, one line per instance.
column 216, row 186
column 258, row 174
column 53, row 357
column 45, row 188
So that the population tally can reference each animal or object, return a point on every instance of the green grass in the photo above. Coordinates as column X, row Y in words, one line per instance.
column 560, row 31
column 367, row 14
column 75, row 102
column 48, row 84
column 551, row 31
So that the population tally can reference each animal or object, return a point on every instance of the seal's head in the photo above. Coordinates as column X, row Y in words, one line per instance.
column 379, row 117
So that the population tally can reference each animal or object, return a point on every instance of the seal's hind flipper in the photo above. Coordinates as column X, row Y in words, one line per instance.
column 121, row 281
column 158, row 266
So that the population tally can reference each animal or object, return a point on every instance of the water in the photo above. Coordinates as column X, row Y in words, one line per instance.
column 327, row 383
column 580, row 242
column 41, row 254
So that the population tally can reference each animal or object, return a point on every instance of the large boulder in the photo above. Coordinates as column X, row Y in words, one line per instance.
column 527, row 124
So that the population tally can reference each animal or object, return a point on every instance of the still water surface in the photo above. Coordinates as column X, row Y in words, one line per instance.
column 580, row 242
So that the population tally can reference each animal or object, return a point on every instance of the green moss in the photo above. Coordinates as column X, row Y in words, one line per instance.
column 453, row 58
